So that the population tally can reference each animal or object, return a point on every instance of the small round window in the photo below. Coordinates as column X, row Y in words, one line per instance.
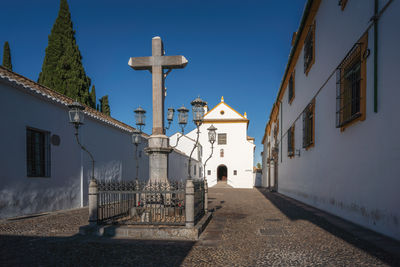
column 222, row 112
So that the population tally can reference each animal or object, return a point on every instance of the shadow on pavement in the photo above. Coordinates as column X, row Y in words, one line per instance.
column 294, row 212
column 90, row 251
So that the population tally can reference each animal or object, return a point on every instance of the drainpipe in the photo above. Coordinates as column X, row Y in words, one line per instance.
column 376, row 57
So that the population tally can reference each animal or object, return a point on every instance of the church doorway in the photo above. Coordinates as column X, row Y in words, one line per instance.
column 222, row 173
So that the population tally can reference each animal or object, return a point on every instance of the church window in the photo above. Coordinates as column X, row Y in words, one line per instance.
column 208, row 172
column 309, row 125
column 291, row 88
column 351, row 86
column 222, row 112
column 194, row 169
column 221, row 153
column 37, row 153
column 222, row 139
column 235, row 172
column 309, row 49
column 290, row 141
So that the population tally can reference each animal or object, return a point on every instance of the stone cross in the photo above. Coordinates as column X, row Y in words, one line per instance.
column 156, row 65
column 158, row 144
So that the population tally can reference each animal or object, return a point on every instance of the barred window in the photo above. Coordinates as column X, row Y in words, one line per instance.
column 308, row 125
column 222, row 139
column 291, row 88
column 235, row 172
column 309, row 49
column 290, row 141
column 37, row 153
column 208, row 172
column 221, row 153
column 350, row 87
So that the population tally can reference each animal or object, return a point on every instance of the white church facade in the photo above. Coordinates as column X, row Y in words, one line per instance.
column 332, row 138
column 233, row 152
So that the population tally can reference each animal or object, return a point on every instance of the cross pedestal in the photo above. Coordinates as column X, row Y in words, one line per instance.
column 158, row 148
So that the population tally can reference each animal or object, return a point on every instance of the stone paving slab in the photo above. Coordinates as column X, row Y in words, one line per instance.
column 249, row 228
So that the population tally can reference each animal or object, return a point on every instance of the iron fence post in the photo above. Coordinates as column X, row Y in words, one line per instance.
column 93, row 201
column 189, row 203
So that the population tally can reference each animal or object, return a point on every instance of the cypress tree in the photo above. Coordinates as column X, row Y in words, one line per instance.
column 62, row 68
column 7, row 56
column 104, row 106
column 92, row 98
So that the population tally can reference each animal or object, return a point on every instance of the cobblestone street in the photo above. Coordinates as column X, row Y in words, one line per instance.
column 250, row 227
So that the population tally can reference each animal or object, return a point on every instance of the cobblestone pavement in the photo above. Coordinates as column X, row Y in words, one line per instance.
column 250, row 227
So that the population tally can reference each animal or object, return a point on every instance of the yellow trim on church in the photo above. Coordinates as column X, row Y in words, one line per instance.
column 222, row 101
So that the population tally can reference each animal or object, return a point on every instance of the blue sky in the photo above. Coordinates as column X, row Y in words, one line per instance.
column 236, row 49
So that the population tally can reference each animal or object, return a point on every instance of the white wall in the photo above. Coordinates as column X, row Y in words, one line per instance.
column 71, row 168
column 354, row 173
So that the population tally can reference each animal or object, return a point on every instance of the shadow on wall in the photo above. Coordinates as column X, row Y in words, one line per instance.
column 31, row 198
column 294, row 212
column 90, row 251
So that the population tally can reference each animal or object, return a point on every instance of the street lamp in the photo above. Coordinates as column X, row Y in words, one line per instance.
column 212, row 136
column 76, row 117
column 198, row 114
column 170, row 117
column 182, row 119
column 136, row 140
column 140, row 117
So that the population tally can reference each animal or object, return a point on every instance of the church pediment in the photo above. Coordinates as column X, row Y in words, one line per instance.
column 224, row 112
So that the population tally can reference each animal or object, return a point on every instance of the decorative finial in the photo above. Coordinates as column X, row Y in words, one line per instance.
column 245, row 114
column 222, row 98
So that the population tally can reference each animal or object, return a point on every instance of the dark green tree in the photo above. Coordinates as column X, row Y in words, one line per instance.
column 104, row 106
column 62, row 68
column 258, row 165
column 7, row 56
column 92, row 99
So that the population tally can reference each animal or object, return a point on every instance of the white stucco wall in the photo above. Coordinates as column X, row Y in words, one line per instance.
column 67, row 186
column 354, row 173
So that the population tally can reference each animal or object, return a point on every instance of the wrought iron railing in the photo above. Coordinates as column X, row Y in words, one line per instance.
column 134, row 202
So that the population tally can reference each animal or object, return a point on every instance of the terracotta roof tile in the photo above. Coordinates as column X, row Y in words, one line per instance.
column 55, row 96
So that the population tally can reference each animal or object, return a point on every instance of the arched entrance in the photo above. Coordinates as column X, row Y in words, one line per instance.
column 222, row 173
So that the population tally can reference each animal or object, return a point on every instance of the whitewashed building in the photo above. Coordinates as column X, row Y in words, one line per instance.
column 233, row 154
column 43, row 168
column 332, row 136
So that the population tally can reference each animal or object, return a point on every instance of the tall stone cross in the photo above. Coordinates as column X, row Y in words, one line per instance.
column 158, row 148
column 156, row 64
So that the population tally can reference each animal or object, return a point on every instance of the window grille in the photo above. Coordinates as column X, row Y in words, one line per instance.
column 37, row 153
column 221, row 153
column 291, row 89
column 348, row 87
column 308, row 125
column 290, row 140
column 309, row 49
column 208, row 172
column 235, row 172
column 222, row 139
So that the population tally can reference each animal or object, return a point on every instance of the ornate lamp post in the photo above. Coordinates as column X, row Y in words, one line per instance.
column 140, row 117
column 136, row 140
column 76, row 117
column 182, row 119
column 212, row 136
column 198, row 114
